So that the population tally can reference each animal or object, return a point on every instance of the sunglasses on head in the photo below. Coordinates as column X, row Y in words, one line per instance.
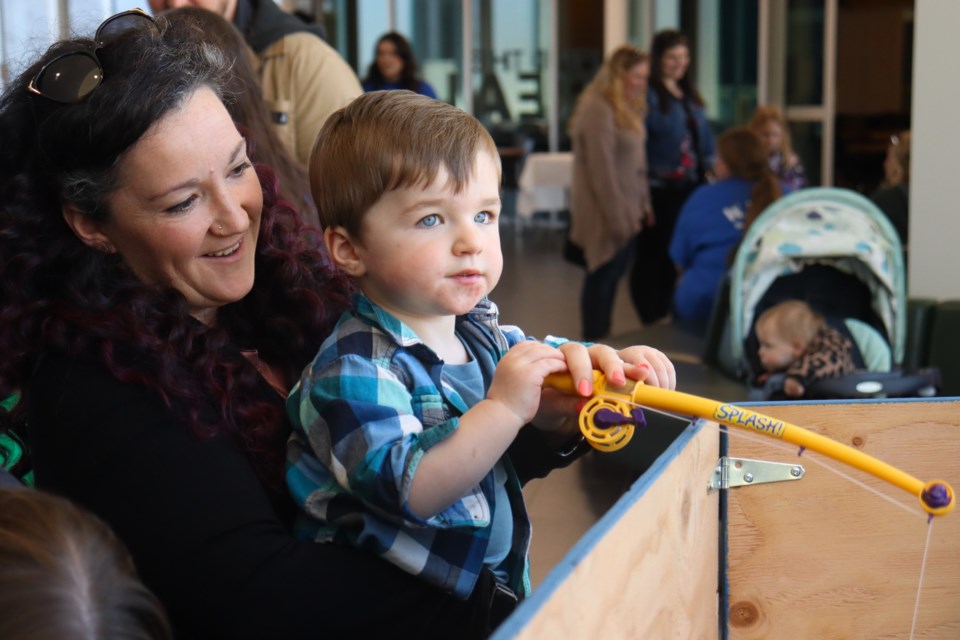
column 71, row 77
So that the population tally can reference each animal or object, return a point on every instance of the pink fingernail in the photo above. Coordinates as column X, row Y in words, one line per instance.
column 585, row 387
column 618, row 378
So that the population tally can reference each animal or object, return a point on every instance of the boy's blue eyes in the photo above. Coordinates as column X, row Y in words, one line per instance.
column 433, row 219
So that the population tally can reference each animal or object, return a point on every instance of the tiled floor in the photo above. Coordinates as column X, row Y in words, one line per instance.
column 539, row 292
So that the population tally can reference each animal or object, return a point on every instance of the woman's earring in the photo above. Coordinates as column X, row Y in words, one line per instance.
column 103, row 247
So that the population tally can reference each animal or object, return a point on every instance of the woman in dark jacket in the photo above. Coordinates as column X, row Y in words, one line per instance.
column 680, row 150
column 153, row 364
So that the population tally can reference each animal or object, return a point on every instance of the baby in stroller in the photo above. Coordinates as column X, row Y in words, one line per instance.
column 835, row 251
column 826, row 316
column 796, row 340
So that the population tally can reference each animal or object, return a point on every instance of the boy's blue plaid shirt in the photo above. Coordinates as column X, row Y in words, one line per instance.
column 364, row 412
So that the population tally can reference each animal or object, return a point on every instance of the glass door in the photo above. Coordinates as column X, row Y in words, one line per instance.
column 797, row 70
column 512, row 70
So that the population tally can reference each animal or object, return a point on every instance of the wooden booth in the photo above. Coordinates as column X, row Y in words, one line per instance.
column 833, row 553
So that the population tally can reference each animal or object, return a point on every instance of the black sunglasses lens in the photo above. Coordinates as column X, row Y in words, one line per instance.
column 70, row 78
column 121, row 23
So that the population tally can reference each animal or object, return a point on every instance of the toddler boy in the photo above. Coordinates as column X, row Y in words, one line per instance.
column 403, row 421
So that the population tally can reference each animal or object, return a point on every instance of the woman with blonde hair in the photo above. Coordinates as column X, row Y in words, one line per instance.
column 609, row 198
column 768, row 123
column 713, row 220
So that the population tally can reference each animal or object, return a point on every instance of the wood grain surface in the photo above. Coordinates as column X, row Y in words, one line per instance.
column 653, row 574
column 824, row 557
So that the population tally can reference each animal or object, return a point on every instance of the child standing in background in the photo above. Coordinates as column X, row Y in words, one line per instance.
column 796, row 340
column 403, row 421
column 769, row 123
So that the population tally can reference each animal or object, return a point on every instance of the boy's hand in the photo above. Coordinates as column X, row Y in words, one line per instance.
column 518, row 378
column 637, row 363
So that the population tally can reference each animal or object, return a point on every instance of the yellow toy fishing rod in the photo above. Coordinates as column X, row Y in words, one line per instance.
column 608, row 420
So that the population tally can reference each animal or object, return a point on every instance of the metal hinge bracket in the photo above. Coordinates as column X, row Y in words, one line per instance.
column 738, row 472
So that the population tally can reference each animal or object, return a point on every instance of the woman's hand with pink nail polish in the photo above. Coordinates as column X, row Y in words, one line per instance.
column 650, row 365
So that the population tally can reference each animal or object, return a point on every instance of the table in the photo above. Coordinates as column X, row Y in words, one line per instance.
column 545, row 184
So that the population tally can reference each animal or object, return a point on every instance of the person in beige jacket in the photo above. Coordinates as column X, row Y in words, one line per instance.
column 610, row 198
column 303, row 78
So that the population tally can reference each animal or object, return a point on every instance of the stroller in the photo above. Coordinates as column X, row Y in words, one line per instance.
column 835, row 250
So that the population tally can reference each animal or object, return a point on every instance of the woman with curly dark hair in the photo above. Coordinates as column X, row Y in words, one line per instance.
column 395, row 67
column 156, row 302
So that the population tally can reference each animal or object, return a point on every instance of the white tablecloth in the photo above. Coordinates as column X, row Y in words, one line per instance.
column 545, row 183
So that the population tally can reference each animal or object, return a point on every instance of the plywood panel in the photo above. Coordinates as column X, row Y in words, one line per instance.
column 825, row 558
column 650, row 569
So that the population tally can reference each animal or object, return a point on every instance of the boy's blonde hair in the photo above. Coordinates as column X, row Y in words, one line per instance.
column 793, row 320
column 387, row 140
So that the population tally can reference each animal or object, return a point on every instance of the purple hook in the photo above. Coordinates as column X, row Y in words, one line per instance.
column 606, row 418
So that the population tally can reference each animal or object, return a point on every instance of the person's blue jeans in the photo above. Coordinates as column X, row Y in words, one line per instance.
column 598, row 294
